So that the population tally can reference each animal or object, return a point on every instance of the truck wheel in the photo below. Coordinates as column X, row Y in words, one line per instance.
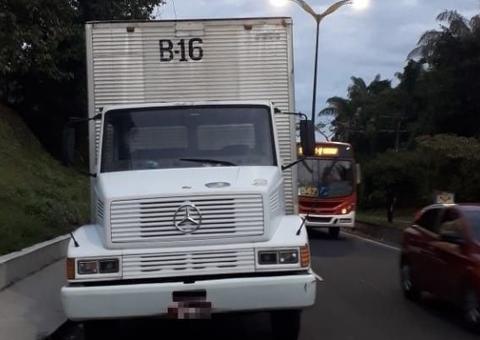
column 410, row 290
column 334, row 232
column 97, row 330
column 471, row 309
column 286, row 324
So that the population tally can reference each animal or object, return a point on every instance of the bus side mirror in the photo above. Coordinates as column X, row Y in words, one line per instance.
column 68, row 145
column 307, row 137
column 359, row 174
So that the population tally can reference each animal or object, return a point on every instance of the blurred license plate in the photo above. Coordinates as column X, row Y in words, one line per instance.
column 190, row 310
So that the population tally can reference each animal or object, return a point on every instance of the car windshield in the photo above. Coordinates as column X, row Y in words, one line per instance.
column 473, row 218
column 180, row 137
column 325, row 178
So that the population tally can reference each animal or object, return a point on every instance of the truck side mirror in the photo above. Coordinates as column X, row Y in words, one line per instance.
column 359, row 174
column 68, row 145
column 307, row 137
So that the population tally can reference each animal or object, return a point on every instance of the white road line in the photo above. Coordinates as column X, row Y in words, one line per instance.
column 374, row 242
column 318, row 277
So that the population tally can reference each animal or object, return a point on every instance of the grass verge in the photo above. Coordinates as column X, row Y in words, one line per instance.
column 39, row 198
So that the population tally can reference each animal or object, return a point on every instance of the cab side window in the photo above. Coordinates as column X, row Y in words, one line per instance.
column 429, row 219
column 451, row 224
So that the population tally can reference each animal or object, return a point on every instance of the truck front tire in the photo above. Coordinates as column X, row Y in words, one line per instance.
column 97, row 330
column 286, row 324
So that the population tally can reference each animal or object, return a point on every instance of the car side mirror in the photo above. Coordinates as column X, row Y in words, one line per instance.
column 307, row 137
column 68, row 145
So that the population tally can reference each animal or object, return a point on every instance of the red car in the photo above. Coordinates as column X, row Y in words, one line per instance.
column 441, row 255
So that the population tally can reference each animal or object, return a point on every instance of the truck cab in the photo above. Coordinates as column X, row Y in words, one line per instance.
column 189, row 202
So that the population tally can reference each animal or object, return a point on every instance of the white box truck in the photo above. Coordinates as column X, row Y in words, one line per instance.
column 193, row 212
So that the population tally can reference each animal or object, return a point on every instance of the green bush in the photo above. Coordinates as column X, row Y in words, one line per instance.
column 438, row 163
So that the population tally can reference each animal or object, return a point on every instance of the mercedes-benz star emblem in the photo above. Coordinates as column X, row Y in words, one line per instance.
column 187, row 218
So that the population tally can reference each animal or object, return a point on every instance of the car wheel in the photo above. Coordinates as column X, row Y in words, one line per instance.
column 96, row 330
column 285, row 324
column 409, row 288
column 334, row 232
column 471, row 309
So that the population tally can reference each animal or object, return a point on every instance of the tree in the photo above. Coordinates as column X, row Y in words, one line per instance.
column 452, row 77
column 42, row 59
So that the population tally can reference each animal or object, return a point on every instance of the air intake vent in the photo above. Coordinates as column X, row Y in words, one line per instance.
column 152, row 219
column 100, row 212
column 275, row 204
column 189, row 264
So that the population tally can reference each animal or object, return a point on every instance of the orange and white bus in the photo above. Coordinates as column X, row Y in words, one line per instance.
column 327, row 187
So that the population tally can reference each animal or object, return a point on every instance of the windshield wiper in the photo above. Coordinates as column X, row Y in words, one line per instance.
column 211, row 161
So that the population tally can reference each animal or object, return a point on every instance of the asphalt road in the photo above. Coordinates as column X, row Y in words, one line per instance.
column 360, row 298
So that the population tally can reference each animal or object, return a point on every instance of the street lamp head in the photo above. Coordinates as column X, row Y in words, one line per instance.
column 360, row 4
column 279, row 3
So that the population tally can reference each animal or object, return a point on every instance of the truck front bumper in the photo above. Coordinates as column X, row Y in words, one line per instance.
column 153, row 299
column 329, row 221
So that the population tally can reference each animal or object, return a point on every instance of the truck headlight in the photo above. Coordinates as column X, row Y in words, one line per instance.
column 278, row 257
column 288, row 256
column 87, row 267
column 108, row 266
column 267, row 257
column 100, row 266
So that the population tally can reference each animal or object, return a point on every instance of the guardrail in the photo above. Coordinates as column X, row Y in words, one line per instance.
column 18, row 265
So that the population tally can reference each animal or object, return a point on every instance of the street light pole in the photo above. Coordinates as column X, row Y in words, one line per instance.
column 315, row 72
column 318, row 19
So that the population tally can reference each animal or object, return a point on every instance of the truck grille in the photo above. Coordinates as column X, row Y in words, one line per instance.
column 188, row 264
column 147, row 220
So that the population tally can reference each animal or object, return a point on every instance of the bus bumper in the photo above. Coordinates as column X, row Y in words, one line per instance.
column 330, row 221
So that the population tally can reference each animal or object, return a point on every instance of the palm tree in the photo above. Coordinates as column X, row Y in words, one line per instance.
column 457, row 27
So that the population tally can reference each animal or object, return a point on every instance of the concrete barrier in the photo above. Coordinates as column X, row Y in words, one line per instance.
column 16, row 266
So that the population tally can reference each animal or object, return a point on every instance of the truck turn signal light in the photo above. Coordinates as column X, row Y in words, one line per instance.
column 70, row 266
column 305, row 256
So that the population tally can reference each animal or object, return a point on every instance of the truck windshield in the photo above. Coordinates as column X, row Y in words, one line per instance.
column 325, row 178
column 180, row 137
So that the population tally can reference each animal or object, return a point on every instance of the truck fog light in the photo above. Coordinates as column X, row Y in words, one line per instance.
column 108, row 266
column 288, row 256
column 305, row 256
column 87, row 267
column 267, row 257
column 344, row 211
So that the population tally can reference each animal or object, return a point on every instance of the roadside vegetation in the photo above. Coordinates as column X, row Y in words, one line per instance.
column 421, row 135
column 39, row 198
column 42, row 85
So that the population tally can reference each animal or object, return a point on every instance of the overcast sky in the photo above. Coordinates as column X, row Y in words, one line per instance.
column 352, row 42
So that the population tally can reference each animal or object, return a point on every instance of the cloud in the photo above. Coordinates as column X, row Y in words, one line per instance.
column 360, row 43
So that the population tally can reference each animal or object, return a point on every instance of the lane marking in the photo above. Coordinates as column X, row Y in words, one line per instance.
column 318, row 277
column 373, row 242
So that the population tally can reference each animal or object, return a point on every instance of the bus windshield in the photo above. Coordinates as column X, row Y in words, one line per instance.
column 325, row 178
